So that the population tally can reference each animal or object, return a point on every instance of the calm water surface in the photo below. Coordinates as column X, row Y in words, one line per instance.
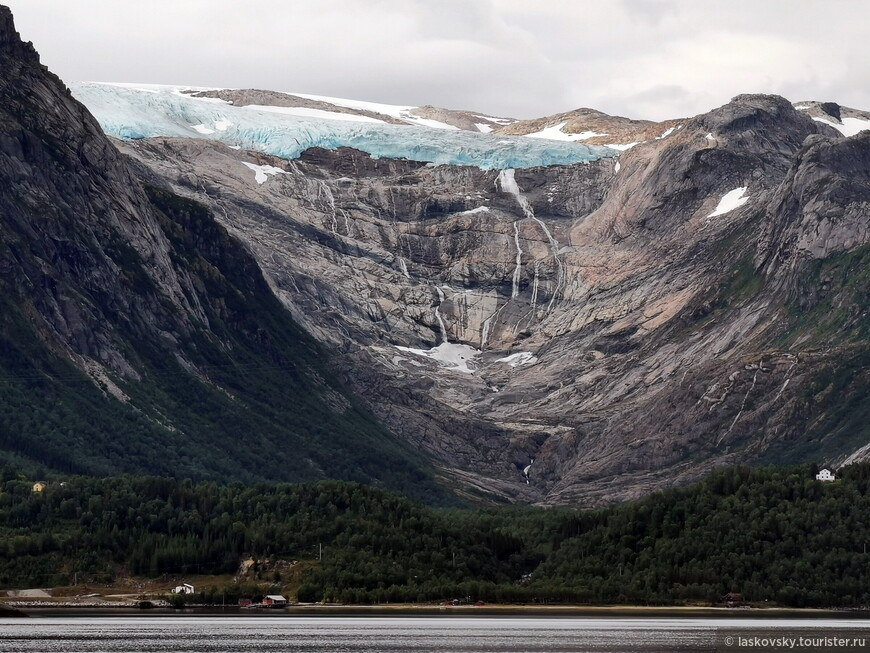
column 381, row 634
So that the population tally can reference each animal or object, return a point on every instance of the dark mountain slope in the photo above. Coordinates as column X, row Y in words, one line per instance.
column 136, row 335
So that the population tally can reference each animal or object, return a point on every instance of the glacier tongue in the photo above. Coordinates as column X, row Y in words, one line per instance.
column 143, row 111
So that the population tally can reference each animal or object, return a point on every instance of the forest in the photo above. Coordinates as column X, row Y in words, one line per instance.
column 773, row 534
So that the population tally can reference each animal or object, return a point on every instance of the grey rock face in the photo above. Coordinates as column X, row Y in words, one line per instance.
column 72, row 214
column 564, row 335
column 618, row 332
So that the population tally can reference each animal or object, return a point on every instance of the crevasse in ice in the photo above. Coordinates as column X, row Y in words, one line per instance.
column 142, row 111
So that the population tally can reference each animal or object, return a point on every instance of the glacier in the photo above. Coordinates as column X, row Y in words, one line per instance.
column 131, row 111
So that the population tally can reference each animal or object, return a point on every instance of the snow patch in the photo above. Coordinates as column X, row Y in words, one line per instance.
column 401, row 112
column 802, row 107
column 220, row 125
column 497, row 121
column 849, row 126
column 313, row 113
column 428, row 122
column 393, row 110
column 448, row 355
column 616, row 167
column 521, row 358
column 622, row 147
column 555, row 133
column 479, row 209
column 731, row 200
column 261, row 173
column 666, row 133
column 483, row 128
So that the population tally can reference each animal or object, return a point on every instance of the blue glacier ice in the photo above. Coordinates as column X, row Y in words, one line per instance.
column 143, row 111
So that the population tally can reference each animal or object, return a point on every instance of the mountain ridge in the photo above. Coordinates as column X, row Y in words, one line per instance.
column 580, row 333
column 442, row 249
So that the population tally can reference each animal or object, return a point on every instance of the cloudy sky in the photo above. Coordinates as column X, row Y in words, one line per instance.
column 651, row 59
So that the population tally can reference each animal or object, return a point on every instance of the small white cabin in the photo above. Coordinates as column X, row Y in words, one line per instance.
column 186, row 588
column 825, row 475
column 274, row 599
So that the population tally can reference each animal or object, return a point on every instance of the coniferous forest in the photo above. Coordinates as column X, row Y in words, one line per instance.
column 772, row 534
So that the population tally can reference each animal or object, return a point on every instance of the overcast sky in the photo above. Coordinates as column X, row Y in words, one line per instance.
column 651, row 59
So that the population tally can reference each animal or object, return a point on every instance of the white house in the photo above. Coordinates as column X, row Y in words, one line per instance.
column 186, row 588
column 825, row 475
column 274, row 599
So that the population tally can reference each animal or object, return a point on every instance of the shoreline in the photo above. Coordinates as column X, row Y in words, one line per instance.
column 70, row 609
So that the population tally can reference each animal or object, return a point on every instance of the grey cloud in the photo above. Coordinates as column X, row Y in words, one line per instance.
column 640, row 58
column 649, row 11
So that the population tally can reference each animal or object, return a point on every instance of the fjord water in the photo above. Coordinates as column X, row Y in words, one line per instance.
column 382, row 634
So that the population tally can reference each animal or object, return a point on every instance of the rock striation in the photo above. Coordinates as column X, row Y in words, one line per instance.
column 567, row 334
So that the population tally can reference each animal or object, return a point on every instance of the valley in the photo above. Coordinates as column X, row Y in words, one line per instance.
column 577, row 310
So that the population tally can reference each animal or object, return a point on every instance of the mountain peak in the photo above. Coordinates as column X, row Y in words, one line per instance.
column 7, row 26
column 10, row 40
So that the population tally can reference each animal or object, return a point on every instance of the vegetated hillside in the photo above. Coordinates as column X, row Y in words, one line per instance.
column 772, row 534
column 137, row 336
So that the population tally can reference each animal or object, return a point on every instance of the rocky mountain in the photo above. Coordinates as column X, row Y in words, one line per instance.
column 137, row 335
column 313, row 105
column 592, row 127
column 577, row 333
column 553, row 321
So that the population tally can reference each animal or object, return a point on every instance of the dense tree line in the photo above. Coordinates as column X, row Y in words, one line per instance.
column 772, row 534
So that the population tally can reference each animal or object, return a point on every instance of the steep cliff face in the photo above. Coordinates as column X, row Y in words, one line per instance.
column 136, row 335
column 72, row 213
column 573, row 333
